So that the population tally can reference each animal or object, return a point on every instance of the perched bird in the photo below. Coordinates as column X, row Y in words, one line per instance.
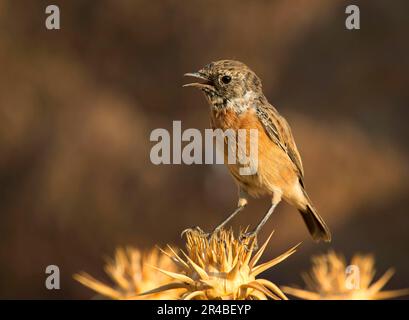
column 234, row 93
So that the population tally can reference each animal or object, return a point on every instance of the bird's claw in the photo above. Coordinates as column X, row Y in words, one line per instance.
column 249, row 240
column 196, row 229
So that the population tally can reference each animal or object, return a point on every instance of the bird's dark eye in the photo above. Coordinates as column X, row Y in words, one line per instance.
column 226, row 79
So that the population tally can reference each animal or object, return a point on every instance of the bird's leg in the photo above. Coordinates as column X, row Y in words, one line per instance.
column 215, row 230
column 240, row 206
column 253, row 234
column 221, row 225
column 218, row 228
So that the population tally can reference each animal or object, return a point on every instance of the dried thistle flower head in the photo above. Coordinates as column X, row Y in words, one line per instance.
column 331, row 278
column 131, row 275
column 221, row 268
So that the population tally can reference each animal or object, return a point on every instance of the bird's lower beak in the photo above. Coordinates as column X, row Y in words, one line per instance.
column 198, row 75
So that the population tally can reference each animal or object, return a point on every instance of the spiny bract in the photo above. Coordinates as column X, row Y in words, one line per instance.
column 221, row 267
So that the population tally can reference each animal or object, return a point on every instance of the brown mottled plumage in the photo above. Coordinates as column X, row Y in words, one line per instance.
column 236, row 100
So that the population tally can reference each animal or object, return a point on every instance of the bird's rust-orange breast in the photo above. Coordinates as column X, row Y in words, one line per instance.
column 274, row 168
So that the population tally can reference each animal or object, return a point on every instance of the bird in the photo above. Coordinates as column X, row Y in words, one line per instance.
column 236, row 100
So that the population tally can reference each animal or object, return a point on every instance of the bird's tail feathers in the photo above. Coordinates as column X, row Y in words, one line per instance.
column 314, row 222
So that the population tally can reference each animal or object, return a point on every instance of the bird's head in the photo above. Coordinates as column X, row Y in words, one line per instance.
column 226, row 82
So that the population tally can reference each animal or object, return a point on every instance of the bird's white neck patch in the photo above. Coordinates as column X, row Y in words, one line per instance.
column 242, row 104
column 250, row 95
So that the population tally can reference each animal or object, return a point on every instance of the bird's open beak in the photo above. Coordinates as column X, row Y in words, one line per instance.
column 206, row 83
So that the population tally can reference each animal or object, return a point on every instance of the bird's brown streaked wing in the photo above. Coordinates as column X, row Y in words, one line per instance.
column 279, row 131
column 291, row 146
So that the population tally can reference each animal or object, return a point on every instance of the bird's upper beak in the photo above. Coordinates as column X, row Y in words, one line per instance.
column 206, row 83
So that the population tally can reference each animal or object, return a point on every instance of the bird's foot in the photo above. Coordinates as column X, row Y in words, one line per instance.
column 249, row 240
column 208, row 235
column 196, row 230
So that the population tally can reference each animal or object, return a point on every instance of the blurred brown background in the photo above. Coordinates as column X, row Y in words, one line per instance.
column 77, row 107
